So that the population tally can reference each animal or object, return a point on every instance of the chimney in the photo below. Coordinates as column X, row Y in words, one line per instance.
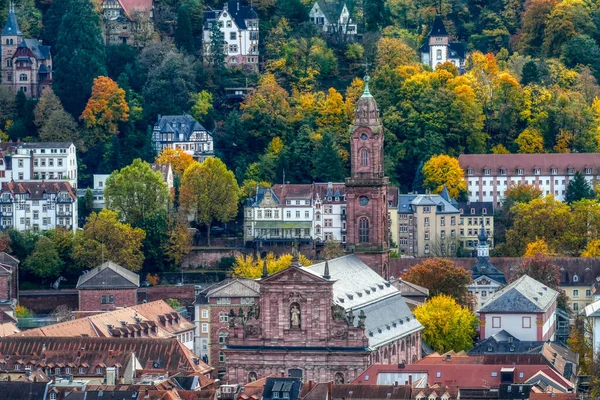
column 395, row 383
column 111, row 376
column 401, row 365
column 310, row 385
column 329, row 390
column 9, row 378
column 146, row 394
column 282, row 373
column 410, row 380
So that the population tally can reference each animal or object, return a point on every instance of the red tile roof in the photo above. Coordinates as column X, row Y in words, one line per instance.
column 465, row 376
column 132, row 6
column 527, row 162
column 36, row 190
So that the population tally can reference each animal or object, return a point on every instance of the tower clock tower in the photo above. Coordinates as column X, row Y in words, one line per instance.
column 367, row 188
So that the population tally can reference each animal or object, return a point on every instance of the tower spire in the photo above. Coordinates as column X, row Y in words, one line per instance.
column 265, row 272
column 326, row 271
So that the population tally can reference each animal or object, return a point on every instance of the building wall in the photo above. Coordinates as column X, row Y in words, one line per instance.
column 33, row 85
column 513, row 323
column 579, row 296
column 5, row 287
column 91, row 299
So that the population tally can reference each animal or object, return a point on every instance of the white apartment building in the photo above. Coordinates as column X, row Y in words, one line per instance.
column 489, row 175
column 239, row 27
column 332, row 17
column 38, row 206
column 38, row 161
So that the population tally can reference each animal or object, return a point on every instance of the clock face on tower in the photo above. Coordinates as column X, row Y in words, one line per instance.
column 364, row 200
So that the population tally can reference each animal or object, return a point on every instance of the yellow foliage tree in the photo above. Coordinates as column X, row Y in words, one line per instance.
column 353, row 92
column 563, row 142
column 178, row 159
column 500, row 149
column 331, row 110
column 250, row 267
column 448, row 325
column 179, row 243
column 107, row 107
column 530, row 141
column 444, row 170
column 540, row 246
column 592, row 249
column 392, row 53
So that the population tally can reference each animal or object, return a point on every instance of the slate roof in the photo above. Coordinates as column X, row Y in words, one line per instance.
column 39, row 51
column 280, row 385
column 239, row 13
column 331, row 9
column 260, row 194
column 457, row 50
column 504, row 343
column 37, row 190
column 410, row 289
column 179, row 124
column 593, row 310
column 12, row 26
column 407, row 201
column 525, row 295
column 358, row 288
column 240, row 287
column 45, row 145
column 438, row 28
column 479, row 206
column 22, row 390
column 109, row 275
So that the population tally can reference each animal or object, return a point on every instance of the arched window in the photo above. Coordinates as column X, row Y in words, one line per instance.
column 318, row 215
column 23, row 77
column 363, row 230
column 223, row 337
column 439, row 54
column 364, row 157
column 7, row 41
column 221, row 356
column 318, row 230
column 252, row 377
column 9, row 63
column 339, row 378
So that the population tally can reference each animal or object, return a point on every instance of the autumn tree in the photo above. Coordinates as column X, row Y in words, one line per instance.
column 332, row 249
column 179, row 159
column 60, row 127
column 45, row 107
column 447, row 324
column 540, row 246
column 445, row 170
column 441, row 276
column 209, row 192
column 530, row 141
column 202, row 105
column 248, row 266
column 393, row 52
column 106, row 109
column 580, row 341
column 179, row 243
column 592, row 249
column 136, row 192
column 106, row 238
column 542, row 268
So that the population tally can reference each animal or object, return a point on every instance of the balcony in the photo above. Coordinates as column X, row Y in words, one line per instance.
column 367, row 179
column 64, row 213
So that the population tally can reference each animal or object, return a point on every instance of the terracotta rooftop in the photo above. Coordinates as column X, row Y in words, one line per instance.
column 37, row 190
column 132, row 6
column 528, row 162
column 152, row 355
column 154, row 319
column 322, row 391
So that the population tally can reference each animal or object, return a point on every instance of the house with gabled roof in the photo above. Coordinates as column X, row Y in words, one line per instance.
column 107, row 287
column 182, row 132
column 127, row 21
column 439, row 49
column 332, row 17
column 238, row 24
column 26, row 64
column 526, row 308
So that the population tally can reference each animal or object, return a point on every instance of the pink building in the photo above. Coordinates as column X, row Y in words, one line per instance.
column 526, row 308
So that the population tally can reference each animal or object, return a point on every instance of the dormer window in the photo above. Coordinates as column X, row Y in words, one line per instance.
column 570, row 171
column 554, row 171
column 469, row 171
column 575, row 278
column 519, row 171
column 487, row 171
column 588, row 171
column 502, row 171
column 472, row 211
column 484, row 211
column 536, row 171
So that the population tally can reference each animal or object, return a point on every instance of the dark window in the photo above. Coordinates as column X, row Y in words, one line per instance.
column 364, row 157
column 363, row 230
column 103, row 299
column 111, row 299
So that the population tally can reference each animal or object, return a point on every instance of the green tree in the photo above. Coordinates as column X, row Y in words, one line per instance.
column 104, row 237
column 136, row 192
column 60, row 127
column 441, row 276
column 184, row 38
column 332, row 249
column 375, row 14
column 44, row 262
column 327, row 164
column 543, row 269
column 88, row 203
column 581, row 50
column 530, row 73
column 447, row 324
column 52, row 20
column 8, row 109
column 217, row 49
column 202, row 105
column 210, row 192
column 79, row 34
column 22, row 244
column 120, row 58
column 46, row 105
column 578, row 188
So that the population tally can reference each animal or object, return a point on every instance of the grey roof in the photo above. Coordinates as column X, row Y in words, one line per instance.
column 438, row 28
column 238, row 12
column 357, row 287
column 593, row 310
column 12, row 26
column 109, row 275
column 240, row 287
column 289, row 385
column 479, row 206
column 525, row 295
column 504, row 343
column 46, row 145
column 260, row 194
column 457, row 50
column 40, row 51
column 407, row 201
column 6, row 258
column 179, row 124
column 410, row 289
column 331, row 9
column 22, row 390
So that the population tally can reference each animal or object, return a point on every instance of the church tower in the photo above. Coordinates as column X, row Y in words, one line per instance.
column 11, row 37
column 367, row 188
column 438, row 43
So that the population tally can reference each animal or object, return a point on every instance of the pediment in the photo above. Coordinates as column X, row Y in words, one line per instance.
column 487, row 281
column 294, row 274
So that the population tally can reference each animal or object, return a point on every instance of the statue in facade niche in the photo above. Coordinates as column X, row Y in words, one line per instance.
column 295, row 316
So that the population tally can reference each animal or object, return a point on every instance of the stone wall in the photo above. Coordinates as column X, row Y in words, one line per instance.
column 207, row 257
column 5, row 287
column 91, row 299
column 185, row 294
column 45, row 301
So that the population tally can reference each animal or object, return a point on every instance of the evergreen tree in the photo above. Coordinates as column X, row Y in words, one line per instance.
column 80, row 55
column 327, row 162
column 52, row 19
column 217, row 52
column 374, row 14
column 184, row 39
column 298, row 158
column 578, row 188
column 417, row 185
column 530, row 73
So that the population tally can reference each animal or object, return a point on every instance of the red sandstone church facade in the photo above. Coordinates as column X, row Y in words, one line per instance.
column 298, row 328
